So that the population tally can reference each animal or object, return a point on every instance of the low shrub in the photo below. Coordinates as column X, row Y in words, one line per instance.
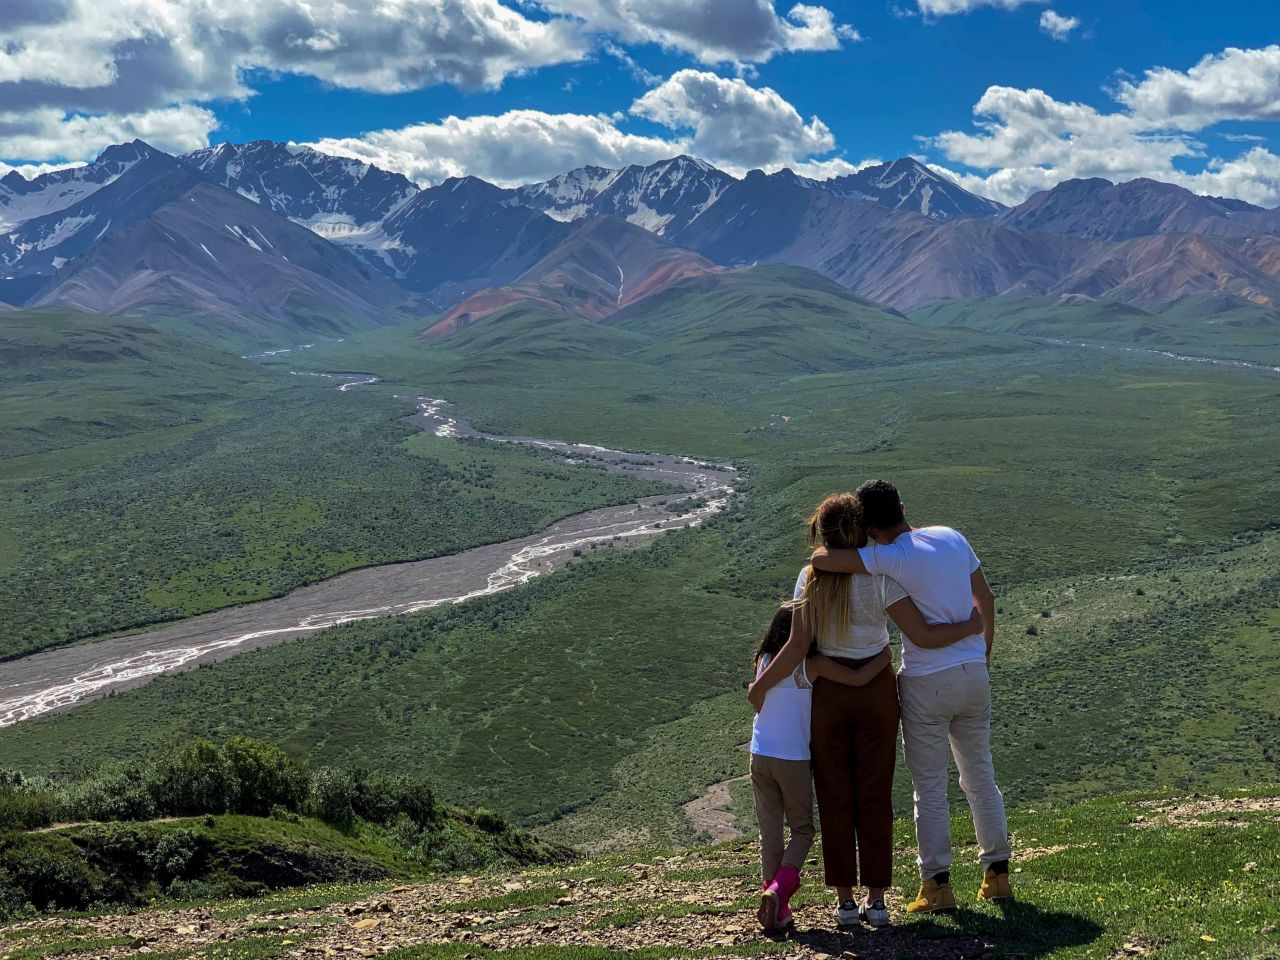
column 333, row 794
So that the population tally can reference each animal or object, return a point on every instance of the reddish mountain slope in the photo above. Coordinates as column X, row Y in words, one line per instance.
column 600, row 267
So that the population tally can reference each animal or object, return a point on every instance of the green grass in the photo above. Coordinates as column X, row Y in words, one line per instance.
column 68, row 379
column 1210, row 325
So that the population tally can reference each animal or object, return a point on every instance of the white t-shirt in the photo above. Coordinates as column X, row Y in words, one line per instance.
column 934, row 565
column 868, row 598
column 781, row 728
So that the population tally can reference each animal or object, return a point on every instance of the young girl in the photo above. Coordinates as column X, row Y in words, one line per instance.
column 780, row 775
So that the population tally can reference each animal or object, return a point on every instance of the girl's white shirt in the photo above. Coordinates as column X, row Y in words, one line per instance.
column 781, row 728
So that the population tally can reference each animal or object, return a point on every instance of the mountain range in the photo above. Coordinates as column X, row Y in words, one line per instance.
column 267, row 241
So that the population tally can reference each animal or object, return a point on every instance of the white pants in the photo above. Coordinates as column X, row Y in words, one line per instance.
column 952, row 707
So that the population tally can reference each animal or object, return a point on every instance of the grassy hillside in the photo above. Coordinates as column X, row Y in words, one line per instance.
column 68, row 379
column 1138, row 875
column 780, row 321
column 1210, row 325
column 146, row 479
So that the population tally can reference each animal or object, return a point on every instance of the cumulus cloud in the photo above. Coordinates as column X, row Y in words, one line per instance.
column 1058, row 26
column 33, row 170
column 712, row 31
column 733, row 122
column 1029, row 141
column 1232, row 85
column 117, row 54
column 725, row 121
column 512, row 148
column 829, row 169
column 99, row 63
column 942, row 8
column 46, row 132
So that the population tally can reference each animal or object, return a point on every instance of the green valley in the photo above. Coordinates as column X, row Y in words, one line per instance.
column 1119, row 502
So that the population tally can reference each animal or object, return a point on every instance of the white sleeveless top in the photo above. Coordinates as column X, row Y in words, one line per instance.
column 869, row 596
column 781, row 728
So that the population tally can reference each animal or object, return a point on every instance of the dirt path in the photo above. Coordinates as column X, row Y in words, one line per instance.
column 712, row 812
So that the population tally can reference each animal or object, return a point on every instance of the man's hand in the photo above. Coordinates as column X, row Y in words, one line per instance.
column 756, row 696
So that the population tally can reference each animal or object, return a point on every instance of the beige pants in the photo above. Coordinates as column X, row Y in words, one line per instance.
column 783, row 789
column 952, row 708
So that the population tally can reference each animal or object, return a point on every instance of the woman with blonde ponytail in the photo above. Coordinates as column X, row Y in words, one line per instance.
column 854, row 730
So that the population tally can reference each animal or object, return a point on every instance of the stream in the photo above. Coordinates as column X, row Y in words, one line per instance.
column 59, row 679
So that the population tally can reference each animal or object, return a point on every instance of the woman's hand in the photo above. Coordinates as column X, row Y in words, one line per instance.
column 975, row 621
column 755, row 693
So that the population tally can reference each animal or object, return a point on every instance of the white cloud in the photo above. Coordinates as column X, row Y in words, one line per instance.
column 1029, row 141
column 725, row 121
column 33, row 170
column 942, row 8
column 734, row 123
column 1253, row 176
column 101, row 63
column 116, row 53
column 1058, row 26
column 46, row 132
column 515, row 147
column 712, row 31
column 828, row 169
column 1232, row 85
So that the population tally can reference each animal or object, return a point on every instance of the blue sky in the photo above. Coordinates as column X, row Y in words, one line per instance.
column 905, row 79
column 823, row 100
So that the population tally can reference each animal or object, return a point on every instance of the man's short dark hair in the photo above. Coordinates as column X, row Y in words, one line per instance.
column 881, row 505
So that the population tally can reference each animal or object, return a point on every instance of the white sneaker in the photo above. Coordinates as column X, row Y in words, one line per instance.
column 847, row 913
column 874, row 914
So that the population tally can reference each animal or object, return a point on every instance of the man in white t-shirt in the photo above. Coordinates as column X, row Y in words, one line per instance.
column 945, row 690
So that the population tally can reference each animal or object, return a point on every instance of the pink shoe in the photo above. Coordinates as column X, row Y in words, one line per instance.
column 770, row 908
column 787, row 882
column 785, row 921
column 775, row 900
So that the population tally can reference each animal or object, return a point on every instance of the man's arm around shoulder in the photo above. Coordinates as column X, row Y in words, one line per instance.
column 838, row 561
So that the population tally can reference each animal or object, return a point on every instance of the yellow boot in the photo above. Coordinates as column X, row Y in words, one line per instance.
column 995, row 886
column 934, row 897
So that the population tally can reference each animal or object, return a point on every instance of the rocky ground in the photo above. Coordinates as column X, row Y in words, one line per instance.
column 1189, row 877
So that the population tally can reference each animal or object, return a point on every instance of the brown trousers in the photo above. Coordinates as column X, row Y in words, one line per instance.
column 783, row 790
column 854, row 743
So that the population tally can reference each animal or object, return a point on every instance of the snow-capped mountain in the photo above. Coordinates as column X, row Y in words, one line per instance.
column 663, row 197
column 206, row 253
column 907, row 184
column 155, row 236
column 22, row 199
column 339, row 198
column 134, row 186
column 140, row 231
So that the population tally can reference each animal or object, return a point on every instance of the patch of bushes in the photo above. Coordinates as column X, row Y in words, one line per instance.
column 199, row 777
column 114, row 859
